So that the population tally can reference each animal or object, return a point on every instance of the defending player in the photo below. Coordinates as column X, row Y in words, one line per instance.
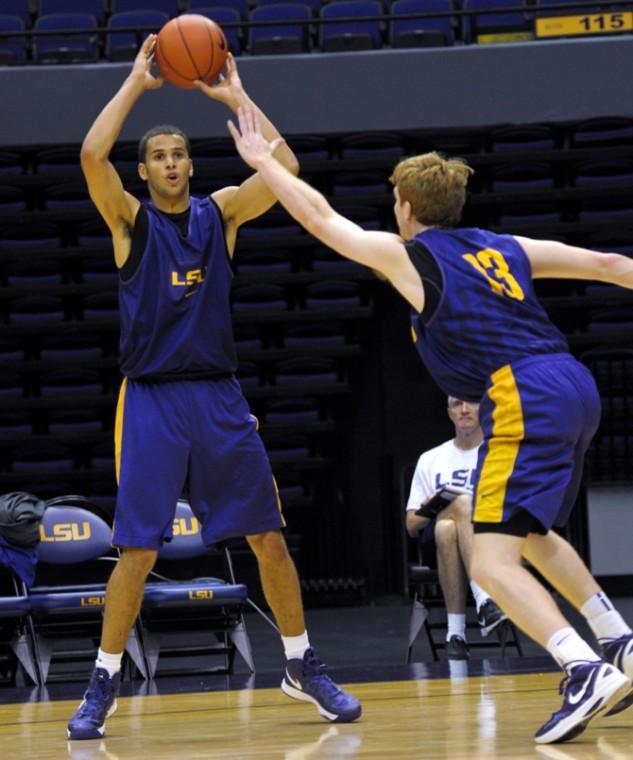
column 483, row 336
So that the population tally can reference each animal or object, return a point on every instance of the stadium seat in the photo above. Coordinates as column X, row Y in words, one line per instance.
column 537, row 175
column 169, row 7
column 484, row 27
column 228, row 14
column 354, row 34
column 532, row 137
column 20, row 8
column 177, row 617
column 206, row 7
column 12, row 48
column 422, row 32
column 135, row 26
column 95, row 8
column 66, row 48
column 602, row 131
column 282, row 37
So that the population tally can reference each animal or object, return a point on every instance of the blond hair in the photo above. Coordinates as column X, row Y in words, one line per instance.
column 434, row 186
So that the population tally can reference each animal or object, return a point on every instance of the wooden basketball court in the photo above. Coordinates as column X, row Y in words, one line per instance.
column 479, row 718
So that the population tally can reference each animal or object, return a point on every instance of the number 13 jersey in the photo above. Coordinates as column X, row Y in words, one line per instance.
column 487, row 315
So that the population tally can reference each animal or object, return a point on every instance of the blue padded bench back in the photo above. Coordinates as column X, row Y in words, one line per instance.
column 71, row 534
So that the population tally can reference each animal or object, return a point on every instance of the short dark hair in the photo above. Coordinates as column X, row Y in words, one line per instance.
column 161, row 129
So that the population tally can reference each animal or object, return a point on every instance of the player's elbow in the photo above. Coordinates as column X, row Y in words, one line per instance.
column 292, row 164
column 91, row 153
column 609, row 266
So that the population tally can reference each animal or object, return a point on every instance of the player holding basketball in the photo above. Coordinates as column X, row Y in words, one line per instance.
column 483, row 335
column 181, row 414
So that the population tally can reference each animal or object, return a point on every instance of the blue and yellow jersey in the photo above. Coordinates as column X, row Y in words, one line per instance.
column 175, row 309
column 488, row 314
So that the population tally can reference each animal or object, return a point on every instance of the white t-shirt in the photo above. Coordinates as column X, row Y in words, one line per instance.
column 445, row 465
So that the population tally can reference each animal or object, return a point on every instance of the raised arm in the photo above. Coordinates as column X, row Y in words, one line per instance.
column 549, row 258
column 253, row 197
column 117, row 207
column 382, row 251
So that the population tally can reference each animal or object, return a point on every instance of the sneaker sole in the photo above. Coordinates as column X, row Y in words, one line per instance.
column 621, row 705
column 603, row 701
column 91, row 733
column 293, row 693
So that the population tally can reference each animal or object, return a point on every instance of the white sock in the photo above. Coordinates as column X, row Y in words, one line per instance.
column 479, row 595
column 109, row 662
column 604, row 620
column 295, row 646
column 566, row 647
column 456, row 626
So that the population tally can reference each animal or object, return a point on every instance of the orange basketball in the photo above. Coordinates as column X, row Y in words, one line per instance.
column 190, row 47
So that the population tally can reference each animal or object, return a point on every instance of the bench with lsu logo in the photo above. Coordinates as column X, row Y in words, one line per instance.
column 173, row 612
column 75, row 544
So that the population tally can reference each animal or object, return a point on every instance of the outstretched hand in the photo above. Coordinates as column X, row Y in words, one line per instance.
column 143, row 64
column 228, row 87
column 249, row 141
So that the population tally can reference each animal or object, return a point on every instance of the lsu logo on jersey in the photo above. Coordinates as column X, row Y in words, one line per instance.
column 67, row 532
column 189, row 278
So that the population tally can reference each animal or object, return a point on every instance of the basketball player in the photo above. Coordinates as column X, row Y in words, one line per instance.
column 450, row 469
column 484, row 337
column 181, row 414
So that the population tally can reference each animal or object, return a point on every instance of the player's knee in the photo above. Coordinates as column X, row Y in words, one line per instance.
column 269, row 546
column 137, row 562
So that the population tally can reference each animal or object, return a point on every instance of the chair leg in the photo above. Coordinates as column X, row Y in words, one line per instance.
column 418, row 620
column 22, row 648
column 151, row 648
column 239, row 637
column 134, row 648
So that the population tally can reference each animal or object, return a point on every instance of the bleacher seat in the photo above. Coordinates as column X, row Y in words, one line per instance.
column 488, row 25
column 12, row 48
column 95, row 8
column 169, row 7
column 204, row 6
column 66, row 48
column 355, row 34
column 282, row 37
column 20, row 8
column 124, row 45
column 422, row 32
column 228, row 14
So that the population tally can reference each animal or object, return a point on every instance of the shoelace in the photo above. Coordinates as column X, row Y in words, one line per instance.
column 570, row 668
column 96, row 695
column 313, row 667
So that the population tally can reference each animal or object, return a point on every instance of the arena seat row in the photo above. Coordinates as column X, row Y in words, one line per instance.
column 87, row 32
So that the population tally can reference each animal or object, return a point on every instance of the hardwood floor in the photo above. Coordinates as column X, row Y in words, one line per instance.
column 479, row 718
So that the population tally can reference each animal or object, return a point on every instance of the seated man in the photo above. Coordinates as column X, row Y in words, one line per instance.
column 439, row 508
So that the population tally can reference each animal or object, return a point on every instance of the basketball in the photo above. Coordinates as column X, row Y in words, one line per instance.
column 190, row 47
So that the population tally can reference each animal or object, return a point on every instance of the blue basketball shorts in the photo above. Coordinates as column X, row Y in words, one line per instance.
column 194, row 432
column 538, row 416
